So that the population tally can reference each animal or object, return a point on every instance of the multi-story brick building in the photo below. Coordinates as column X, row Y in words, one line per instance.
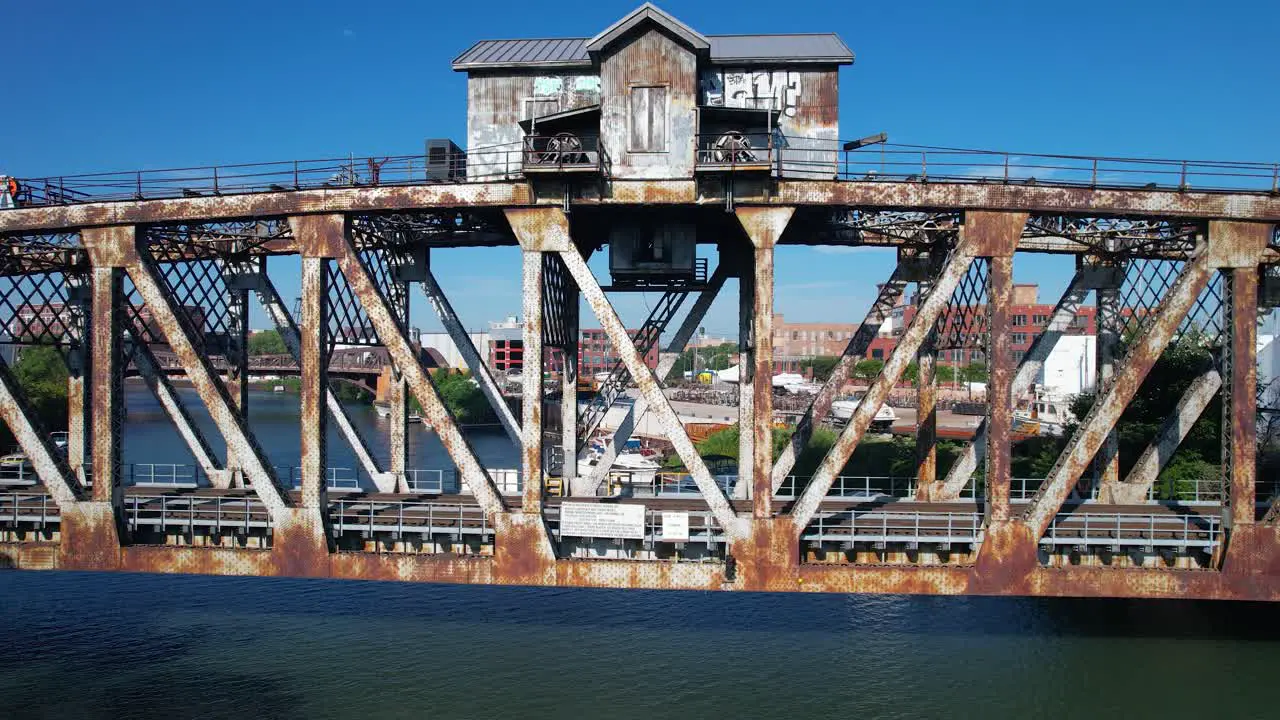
column 794, row 343
column 596, row 355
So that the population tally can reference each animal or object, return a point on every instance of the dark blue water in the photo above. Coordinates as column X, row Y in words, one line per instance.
column 114, row 645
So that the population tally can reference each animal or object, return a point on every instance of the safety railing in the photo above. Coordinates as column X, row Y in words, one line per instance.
column 734, row 150
column 18, row 473
column 915, row 163
column 787, row 156
column 164, row 513
column 1146, row 531
column 35, row 509
column 163, row 475
column 876, row 526
column 563, row 151
column 407, row 517
column 336, row 478
column 625, row 483
column 853, row 487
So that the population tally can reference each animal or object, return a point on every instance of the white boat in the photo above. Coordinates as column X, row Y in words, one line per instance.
column 842, row 410
column 383, row 409
column 1047, row 414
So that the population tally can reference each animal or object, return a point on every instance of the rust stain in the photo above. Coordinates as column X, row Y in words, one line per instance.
column 90, row 539
column 522, row 553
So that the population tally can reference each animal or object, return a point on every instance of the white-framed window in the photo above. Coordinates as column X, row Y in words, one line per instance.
column 647, row 118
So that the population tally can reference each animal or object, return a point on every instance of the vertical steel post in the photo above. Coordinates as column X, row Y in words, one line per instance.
column 531, row 383
column 764, row 227
column 746, row 379
column 999, row 388
column 569, row 392
column 1107, row 463
column 926, row 412
column 238, row 364
column 1243, row 386
column 106, row 297
column 313, row 371
column 79, row 408
column 398, row 433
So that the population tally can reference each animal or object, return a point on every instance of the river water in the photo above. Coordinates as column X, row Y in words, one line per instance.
column 84, row 645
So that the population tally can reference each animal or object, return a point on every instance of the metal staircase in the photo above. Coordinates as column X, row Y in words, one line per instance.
column 645, row 339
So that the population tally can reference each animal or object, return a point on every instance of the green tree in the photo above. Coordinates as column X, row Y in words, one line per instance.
column 42, row 375
column 267, row 342
column 974, row 372
column 868, row 369
column 464, row 399
column 822, row 366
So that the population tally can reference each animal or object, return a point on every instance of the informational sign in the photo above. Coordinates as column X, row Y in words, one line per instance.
column 602, row 520
column 675, row 527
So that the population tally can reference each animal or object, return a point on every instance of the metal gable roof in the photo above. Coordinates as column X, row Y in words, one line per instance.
column 824, row 48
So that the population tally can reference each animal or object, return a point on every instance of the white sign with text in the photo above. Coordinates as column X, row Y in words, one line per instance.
column 675, row 527
column 602, row 520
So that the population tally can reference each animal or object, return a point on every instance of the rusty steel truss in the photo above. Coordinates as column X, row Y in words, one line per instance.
column 180, row 272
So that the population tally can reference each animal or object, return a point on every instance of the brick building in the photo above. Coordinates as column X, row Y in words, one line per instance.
column 595, row 355
column 796, row 342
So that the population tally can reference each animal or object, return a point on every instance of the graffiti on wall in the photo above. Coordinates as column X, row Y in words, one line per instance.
column 740, row 87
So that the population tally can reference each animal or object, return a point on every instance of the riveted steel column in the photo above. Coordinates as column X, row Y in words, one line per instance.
column 1243, row 386
column 764, row 226
column 927, row 412
column 531, row 383
column 398, row 433
column 238, row 361
column 569, row 393
column 79, row 409
column 108, row 401
column 313, row 371
column 1107, row 463
column 999, row 397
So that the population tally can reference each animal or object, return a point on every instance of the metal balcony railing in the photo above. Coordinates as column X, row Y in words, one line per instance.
column 563, row 152
column 735, row 151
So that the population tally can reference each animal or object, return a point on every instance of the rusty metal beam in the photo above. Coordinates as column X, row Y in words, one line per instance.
column 1064, row 312
column 531, row 382
column 926, row 411
column 1107, row 462
column 1242, row 385
column 397, row 432
column 1112, row 399
column 1144, row 472
column 232, row 425
column 1041, row 198
column 999, row 387
column 890, row 292
column 275, row 308
column 471, row 356
column 106, row 299
column 79, row 407
column 34, row 441
column 392, row 336
column 923, row 322
column 652, row 391
column 763, row 227
column 313, row 373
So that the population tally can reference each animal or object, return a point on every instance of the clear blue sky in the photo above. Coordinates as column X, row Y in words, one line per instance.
column 117, row 86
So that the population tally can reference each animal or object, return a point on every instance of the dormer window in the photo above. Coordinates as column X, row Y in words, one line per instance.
column 648, row 119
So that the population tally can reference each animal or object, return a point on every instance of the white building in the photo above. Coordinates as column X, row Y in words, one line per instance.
column 448, row 349
column 1071, row 367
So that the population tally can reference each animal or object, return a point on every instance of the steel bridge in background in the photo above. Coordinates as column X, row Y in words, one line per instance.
column 1165, row 247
